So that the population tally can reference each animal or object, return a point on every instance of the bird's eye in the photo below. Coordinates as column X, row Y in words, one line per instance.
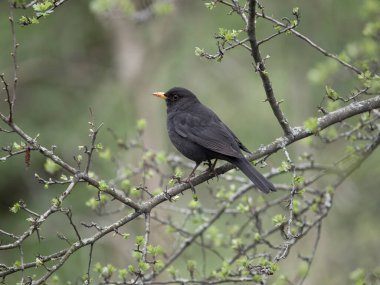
column 175, row 97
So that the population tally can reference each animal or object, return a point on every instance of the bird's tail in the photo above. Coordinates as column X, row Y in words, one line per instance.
column 256, row 177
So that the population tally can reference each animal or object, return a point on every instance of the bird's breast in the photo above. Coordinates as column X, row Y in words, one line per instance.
column 184, row 145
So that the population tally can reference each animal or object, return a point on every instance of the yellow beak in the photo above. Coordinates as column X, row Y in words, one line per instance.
column 160, row 95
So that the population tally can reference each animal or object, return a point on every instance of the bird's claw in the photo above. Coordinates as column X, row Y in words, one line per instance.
column 211, row 169
column 187, row 180
column 208, row 163
column 214, row 173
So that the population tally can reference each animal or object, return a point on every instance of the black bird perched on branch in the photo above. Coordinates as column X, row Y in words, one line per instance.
column 199, row 134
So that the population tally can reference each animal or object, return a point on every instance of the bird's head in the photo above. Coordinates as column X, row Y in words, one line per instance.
column 177, row 98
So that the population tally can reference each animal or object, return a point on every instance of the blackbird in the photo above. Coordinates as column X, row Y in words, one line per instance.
column 199, row 134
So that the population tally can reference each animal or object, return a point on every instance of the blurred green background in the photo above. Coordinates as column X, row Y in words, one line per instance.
column 76, row 59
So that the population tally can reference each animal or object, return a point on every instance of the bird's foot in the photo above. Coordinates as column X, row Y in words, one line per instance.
column 187, row 180
column 211, row 169
column 178, row 180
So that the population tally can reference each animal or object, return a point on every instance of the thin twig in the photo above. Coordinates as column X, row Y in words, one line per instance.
column 15, row 67
column 147, row 234
column 89, row 264
column 310, row 259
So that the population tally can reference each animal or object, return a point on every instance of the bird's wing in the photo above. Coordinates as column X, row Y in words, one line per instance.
column 241, row 145
column 207, row 131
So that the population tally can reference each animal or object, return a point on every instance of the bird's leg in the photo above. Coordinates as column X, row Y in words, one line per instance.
column 192, row 171
column 211, row 168
column 187, row 180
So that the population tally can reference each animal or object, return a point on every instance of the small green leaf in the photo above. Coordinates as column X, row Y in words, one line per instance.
column 143, row 266
column 160, row 157
column 172, row 182
column 42, row 8
column 285, row 166
column 131, row 268
column 243, row 262
column 51, row 167
column 298, row 180
column 237, row 243
column 134, row 192
column 139, row 240
column 296, row 11
column 15, row 208
column 99, row 146
column 17, row 264
column 311, row 124
column 210, row 5
column 16, row 146
column 39, row 262
column 155, row 250
column 257, row 278
column 199, row 51
column 125, row 184
column 194, row 204
column 296, row 206
column 330, row 189
column 331, row 93
column 175, row 198
column 137, row 255
column 170, row 229
column 277, row 28
column 178, row 172
column 103, row 185
column 303, row 269
column 24, row 20
column 172, row 271
column 357, row 275
column 158, row 265
column 242, row 208
column 107, row 271
column 278, row 220
column 191, row 265
column 98, row 267
column 92, row 203
column 34, row 20
column 141, row 125
column 229, row 35
column 123, row 273
column 56, row 202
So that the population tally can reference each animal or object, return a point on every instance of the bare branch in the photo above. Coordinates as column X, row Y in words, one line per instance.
column 312, row 44
column 260, row 67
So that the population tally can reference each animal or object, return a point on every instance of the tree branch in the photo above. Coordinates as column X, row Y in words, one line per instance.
column 260, row 67
column 311, row 43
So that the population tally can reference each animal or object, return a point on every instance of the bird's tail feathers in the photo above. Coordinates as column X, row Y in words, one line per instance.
column 256, row 177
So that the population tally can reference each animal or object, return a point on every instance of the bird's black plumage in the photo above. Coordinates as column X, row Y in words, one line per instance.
column 199, row 134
